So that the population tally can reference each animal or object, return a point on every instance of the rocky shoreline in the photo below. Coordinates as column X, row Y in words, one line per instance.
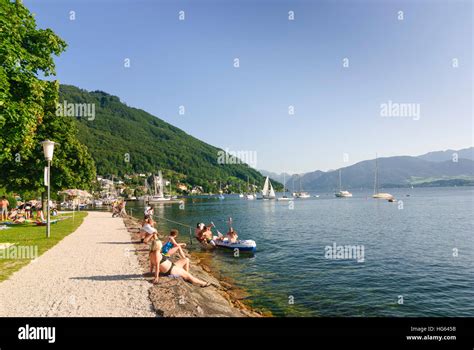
column 173, row 297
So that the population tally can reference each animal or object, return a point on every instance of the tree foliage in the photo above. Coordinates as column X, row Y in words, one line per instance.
column 28, row 106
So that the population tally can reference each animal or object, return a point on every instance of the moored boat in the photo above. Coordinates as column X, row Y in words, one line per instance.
column 302, row 195
column 158, row 196
column 284, row 197
column 341, row 193
column 268, row 192
column 377, row 194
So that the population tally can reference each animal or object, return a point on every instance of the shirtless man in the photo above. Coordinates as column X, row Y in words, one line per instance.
column 232, row 235
column 204, row 234
column 4, row 204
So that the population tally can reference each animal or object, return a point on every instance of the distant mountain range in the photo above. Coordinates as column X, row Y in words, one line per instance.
column 448, row 167
column 441, row 156
column 280, row 177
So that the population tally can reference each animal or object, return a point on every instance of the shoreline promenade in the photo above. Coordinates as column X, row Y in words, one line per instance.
column 93, row 272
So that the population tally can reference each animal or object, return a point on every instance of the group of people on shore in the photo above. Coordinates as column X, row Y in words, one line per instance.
column 160, row 253
column 205, row 236
column 23, row 212
column 118, row 208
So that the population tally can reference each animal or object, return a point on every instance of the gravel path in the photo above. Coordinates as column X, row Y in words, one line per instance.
column 92, row 272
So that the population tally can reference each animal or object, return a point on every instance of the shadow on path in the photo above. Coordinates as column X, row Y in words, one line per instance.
column 137, row 277
column 138, row 242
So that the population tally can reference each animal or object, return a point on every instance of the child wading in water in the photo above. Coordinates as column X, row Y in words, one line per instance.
column 171, row 246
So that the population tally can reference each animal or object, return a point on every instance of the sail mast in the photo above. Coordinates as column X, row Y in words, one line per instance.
column 161, row 184
column 376, row 185
column 340, row 181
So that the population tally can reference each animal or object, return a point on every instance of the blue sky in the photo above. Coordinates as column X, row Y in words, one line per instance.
column 282, row 63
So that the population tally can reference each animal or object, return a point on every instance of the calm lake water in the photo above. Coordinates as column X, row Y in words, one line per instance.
column 408, row 251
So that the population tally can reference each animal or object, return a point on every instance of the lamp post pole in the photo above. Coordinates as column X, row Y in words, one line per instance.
column 48, row 149
column 48, row 230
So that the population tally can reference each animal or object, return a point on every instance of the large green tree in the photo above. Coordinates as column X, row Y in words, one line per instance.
column 28, row 107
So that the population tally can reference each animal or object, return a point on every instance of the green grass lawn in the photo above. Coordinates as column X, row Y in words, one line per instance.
column 35, row 236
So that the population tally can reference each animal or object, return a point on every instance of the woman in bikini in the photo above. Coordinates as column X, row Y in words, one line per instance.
column 160, row 263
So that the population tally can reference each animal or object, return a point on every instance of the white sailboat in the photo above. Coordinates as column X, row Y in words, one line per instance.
column 221, row 193
column 241, row 195
column 301, row 193
column 285, row 197
column 249, row 195
column 377, row 194
column 158, row 196
column 268, row 192
column 341, row 193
